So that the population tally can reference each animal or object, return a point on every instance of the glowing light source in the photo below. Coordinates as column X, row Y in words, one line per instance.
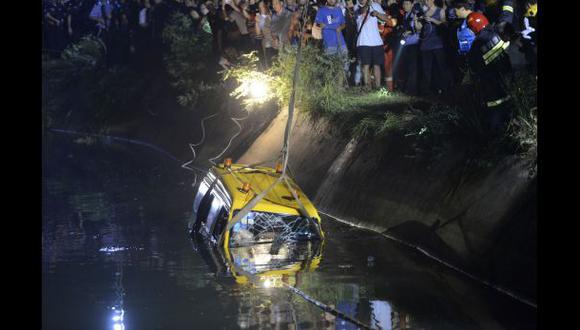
column 258, row 89
column 117, row 318
column 254, row 88
column 403, row 42
column 245, row 187
column 228, row 162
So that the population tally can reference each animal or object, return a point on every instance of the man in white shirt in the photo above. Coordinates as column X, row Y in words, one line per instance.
column 369, row 42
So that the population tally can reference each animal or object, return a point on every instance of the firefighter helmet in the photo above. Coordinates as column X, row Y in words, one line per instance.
column 531, row 10
column 477, row 22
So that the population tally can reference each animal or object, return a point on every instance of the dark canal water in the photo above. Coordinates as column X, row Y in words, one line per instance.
column 116, row 255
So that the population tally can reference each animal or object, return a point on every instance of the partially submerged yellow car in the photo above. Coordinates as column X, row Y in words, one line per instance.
column 282, row 215
column 276, row 239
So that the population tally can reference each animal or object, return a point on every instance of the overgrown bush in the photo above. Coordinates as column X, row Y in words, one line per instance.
column 523, row 129
column 321, row 87
column 322, row 82
column 187, row 57
column 80, row 87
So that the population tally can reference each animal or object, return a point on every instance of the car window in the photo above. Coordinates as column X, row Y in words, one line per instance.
column 220, row 223
column 212, row 214
column 204, row 208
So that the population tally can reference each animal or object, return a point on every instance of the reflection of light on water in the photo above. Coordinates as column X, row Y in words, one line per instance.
column 111, row 249
column 118, row 316
column 381, row 314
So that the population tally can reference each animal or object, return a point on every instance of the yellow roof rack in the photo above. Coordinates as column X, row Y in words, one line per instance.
column 256, row 179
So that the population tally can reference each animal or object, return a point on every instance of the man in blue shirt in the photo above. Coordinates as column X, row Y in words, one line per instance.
column 332, row 22
column 331, row 19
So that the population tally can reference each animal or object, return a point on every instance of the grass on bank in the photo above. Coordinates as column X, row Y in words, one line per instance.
column 322, row 91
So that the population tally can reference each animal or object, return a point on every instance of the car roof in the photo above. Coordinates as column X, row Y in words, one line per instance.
column 278, row 200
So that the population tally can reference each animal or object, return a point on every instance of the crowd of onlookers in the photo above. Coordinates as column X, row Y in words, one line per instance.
column 414, row 46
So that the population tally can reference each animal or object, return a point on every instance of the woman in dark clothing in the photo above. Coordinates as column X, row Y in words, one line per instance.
column 432, row 48
column 407, row 59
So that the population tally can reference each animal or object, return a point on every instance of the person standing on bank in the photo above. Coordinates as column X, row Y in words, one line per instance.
column 431, row 47
column 408, row 57
column 332, row 22
column 369, row 42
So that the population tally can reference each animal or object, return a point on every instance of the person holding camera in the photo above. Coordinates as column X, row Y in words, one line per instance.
column 430, row 23
column 369, row 42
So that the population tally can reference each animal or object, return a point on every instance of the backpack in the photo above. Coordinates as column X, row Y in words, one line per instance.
column 465, row 38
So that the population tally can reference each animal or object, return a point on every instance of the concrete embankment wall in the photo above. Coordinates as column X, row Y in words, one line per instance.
column 482, row 220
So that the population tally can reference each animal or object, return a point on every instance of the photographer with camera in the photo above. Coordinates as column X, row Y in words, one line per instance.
column 368, row 41
column 430, row 23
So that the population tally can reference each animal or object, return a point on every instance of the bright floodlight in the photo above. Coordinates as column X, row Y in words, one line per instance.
column 403, row 41
column 254, row 88
column 258, row 89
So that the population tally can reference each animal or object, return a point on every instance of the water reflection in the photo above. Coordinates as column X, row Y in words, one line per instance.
column 257, row 274
column 116, row 255
column 118, row 317
column 262, row 265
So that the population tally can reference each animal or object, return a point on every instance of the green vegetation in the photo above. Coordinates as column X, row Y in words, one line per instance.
column 523, row 129
column 429, row 125
column 80, row 88
column 186, row 58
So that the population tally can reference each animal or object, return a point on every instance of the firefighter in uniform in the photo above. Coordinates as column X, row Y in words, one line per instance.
column 490, row 63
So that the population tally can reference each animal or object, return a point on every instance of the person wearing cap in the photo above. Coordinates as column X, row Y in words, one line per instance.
column 490, row 64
